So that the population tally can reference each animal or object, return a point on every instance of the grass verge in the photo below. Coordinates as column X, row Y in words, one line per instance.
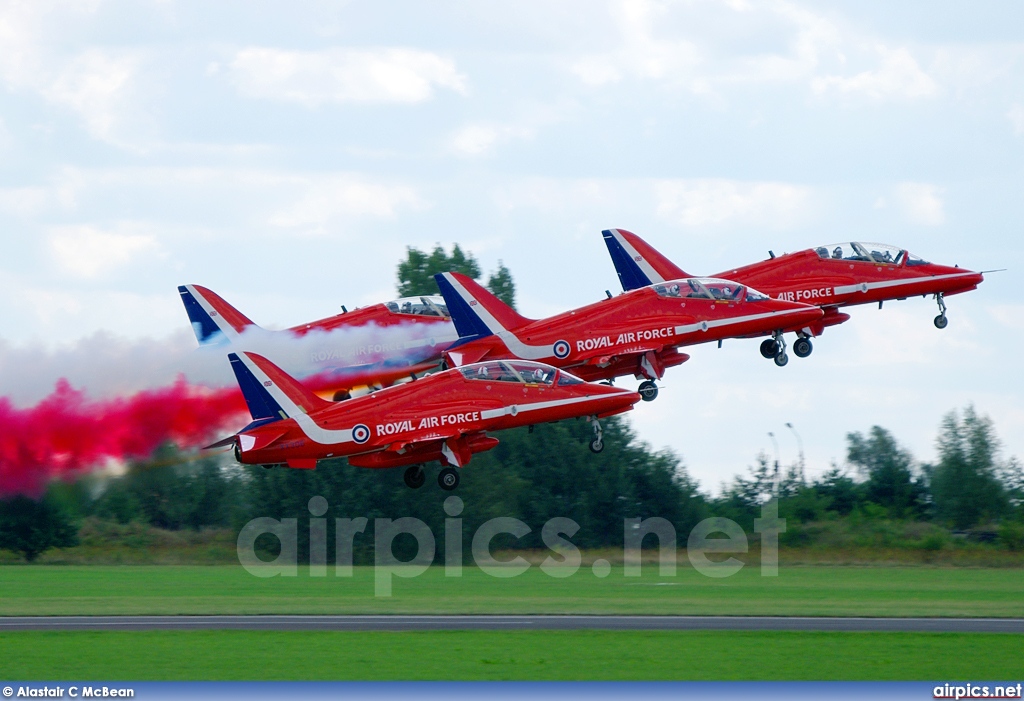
column 516, row 655
column 797, row 591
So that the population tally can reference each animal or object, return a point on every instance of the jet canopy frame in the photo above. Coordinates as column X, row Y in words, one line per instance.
column 424, row 305
column 875, row 253
column 519, row 371
column 714, row 289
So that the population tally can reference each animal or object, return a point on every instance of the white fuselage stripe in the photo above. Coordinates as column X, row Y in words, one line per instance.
column 323, row 436
column 535, row 406
column 719, row 323
column 865, row 286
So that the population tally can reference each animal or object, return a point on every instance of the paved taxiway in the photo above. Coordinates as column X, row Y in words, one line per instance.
column 419, row 623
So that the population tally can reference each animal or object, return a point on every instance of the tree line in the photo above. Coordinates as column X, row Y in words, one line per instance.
column 545, row 472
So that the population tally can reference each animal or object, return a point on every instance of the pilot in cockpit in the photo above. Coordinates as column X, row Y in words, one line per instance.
column 837, row 254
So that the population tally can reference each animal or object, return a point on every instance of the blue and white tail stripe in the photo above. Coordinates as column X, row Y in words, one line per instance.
column 269, row 399
column 473, row 321
column 208, row 326
column 633, row 269
column 466, row 313
column 262, row 404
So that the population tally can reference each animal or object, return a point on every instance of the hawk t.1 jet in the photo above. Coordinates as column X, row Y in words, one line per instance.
column 637, row 333
column 830, row 277
column 444, row 416
column 354, row 351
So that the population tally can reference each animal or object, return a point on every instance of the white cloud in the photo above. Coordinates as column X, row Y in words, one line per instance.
column 921, row 203
column 343, row 75
column 705, row 47
column 23, row 201
column 480, row 139
column 324, row 200
column 642, row 54
column 95, row 85
column 1008, row 315
column 711, row 202
column 1016, row 117
column 88, row 252
column 897, row 76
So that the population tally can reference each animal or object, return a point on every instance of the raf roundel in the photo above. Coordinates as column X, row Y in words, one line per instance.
column 561, row 349
column 360, row 433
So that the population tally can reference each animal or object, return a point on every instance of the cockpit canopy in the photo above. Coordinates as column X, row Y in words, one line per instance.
column 708, row 288
column 521, row 371
column 868, row 253
column 420, row 306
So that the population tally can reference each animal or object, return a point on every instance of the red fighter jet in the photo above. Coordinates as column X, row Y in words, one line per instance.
column 637, row 333
column 830, row 277
column 356, row 350
column 444, row 416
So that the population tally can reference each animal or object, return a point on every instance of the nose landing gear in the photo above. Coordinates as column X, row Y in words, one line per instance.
column 941, row 321
column 775, row 348
column 597, row 445
column 781, row 358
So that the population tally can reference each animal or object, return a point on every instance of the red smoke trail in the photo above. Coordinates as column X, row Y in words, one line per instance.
column 65, row 434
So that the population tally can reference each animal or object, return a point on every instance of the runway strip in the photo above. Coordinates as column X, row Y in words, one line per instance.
column 427, row 623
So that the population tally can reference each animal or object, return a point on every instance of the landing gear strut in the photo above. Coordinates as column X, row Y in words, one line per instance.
column 781, row 359
column 448, row 479
column 415, row 477
column 941, row 321
column 597, row 445
column 648, row 391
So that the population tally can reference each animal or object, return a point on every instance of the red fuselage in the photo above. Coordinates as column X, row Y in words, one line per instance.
column 639, row 332
column 443, row 417
column 813, row 278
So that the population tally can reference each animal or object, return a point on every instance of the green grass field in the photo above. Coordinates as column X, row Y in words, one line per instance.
column 799, row 591
column 549, row 655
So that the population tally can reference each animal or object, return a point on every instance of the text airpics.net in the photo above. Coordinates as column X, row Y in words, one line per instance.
column 977, row 691
column 555, row 534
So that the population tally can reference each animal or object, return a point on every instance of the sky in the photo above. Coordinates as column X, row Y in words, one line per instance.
column 285, row 154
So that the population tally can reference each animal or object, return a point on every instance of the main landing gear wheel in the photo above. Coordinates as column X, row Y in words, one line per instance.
column 802, row 347
column 648, row 392
column 415, row 477
column 769, row 348
column 448, row 479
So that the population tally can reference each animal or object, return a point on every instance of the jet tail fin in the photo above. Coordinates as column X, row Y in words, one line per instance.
column 637, row 262
column 212, row 318
column 269, row 392
column 475, row 311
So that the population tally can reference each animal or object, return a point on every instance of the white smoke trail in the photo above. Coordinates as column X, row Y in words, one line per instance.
column 105, row 365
